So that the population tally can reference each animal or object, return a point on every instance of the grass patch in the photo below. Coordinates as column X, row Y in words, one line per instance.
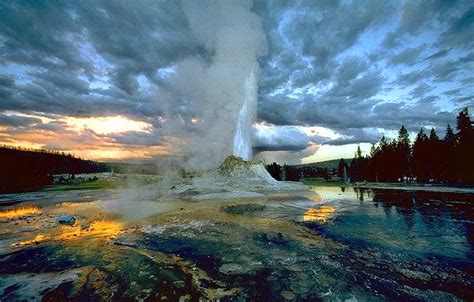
column 323, row 182
column 101, row 184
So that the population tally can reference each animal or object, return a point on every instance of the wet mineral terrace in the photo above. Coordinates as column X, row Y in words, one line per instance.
column 332, row 244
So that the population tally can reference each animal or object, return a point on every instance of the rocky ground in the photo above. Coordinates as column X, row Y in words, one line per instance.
column 231, row 235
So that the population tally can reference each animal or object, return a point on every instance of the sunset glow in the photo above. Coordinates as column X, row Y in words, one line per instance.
column 320, row 214
column 95, row 138
column 38, row 238
column 231, row 150
column 107, row 124
column 19, row 212
column 101, row 228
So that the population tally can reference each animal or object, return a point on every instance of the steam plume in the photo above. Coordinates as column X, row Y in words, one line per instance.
column 221, row 90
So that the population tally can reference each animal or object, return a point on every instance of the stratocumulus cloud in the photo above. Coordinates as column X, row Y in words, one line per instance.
column 357, row 69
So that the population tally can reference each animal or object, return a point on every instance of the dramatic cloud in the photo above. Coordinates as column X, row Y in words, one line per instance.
column 286, row 138
column 357, row 69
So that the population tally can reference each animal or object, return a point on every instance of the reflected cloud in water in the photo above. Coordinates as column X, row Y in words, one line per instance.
column 321, row 214
column 19, row 212
column 100, row 228
column 416, row 222
column 38, row 238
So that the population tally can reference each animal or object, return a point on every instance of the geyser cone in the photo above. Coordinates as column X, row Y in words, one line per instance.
column 236, row 167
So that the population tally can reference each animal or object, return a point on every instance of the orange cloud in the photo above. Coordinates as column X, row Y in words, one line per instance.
column 88, row 138
column 106, row 124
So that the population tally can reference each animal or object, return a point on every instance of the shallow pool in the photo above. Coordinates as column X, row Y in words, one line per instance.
column 330, row 244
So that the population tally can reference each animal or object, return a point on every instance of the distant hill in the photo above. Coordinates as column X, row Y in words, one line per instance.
column 23, row 169
column 330, row 164
column 148, row 168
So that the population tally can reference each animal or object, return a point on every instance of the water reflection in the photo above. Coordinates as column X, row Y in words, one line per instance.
column 414, row 222
column 72, row 204
column 321, row 214
column 333, row 244
column 101, row 228
column 14, row 213
column 445, row 216
column 363, row 193
column 38, row 238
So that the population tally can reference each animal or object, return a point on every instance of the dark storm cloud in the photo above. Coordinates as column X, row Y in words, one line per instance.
column 420, row 90
column 55, row 126
column 102, row 39
column 356, row 136
column 338, row 108
column 336, row 64
column 413, row 116
column 135, row 138
column 280, row 139
column 6, row 85
column 413, row 77
column 445, row 70
column 460, row 31
column 17, row 121
column 279, row 109
column 300, row 31
column 438, row 54
column 63, row 80
column 39, row 33
column 317, row 29
column 407, row 56
column 137, row 37
column 416, row 16
column 6, row 81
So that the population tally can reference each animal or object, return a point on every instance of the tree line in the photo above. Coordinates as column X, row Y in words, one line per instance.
column 428, row 159
column 26, row 169
column 295, row 173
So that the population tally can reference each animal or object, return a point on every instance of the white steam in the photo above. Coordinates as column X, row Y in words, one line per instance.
column 221, row 89
column 245, row 119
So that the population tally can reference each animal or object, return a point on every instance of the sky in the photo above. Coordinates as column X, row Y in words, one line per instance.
column 99, row 78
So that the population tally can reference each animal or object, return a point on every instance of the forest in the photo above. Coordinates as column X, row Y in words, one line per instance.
column 24, row 169
column 429, row 159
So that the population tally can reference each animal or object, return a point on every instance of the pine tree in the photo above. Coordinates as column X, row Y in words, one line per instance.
column 420, row 156
column 464, row 149
column 340, row 168
column 464, row 126
column 403, row 157
column 384, row 143
column 450, row 137
column 383, row 160
column 448, row 165
column 358, row 152
column 373, row 151
column 434, row 149
column 374, row 162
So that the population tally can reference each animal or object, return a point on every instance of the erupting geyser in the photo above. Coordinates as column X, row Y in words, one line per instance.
column 246, row 117
column 221, row 87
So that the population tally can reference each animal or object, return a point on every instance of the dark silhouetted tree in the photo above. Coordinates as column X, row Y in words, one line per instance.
column 447, row 156
column 421, row 156
column 275, row 170
column 450, row 160
column 26, row 169
column 341, row 167
column 464, row 150
column 359, row 168
column 374, row 162
column 434, row 149
column 403, row 152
